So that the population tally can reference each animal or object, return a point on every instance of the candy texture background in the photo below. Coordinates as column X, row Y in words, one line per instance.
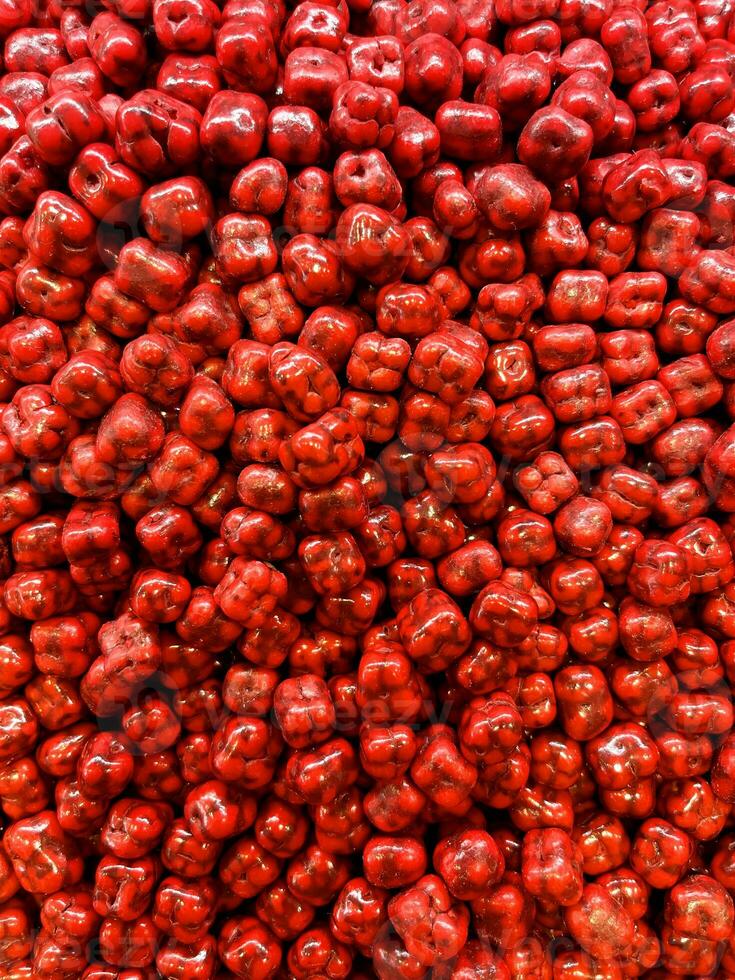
column 367, row 489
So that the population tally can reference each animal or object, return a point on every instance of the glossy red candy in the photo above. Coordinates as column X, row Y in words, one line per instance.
column 367, row 481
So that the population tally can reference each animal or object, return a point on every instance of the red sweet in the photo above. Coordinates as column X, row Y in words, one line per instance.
column 367, row 374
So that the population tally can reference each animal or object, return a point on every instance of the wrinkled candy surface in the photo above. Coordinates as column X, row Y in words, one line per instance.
column 367, row 489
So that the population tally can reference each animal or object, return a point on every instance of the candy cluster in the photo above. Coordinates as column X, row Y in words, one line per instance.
column 367, row 489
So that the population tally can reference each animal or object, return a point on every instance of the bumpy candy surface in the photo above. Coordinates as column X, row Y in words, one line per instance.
column 367, row 490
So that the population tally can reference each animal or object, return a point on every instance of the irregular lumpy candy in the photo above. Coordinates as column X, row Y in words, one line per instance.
column 367, row 490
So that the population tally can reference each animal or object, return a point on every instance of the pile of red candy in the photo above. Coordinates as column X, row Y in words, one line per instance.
column 367, row 489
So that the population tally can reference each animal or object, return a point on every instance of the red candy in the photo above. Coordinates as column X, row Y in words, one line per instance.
column 367, row 481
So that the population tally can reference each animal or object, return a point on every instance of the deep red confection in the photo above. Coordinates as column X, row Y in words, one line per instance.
column 367, row 490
